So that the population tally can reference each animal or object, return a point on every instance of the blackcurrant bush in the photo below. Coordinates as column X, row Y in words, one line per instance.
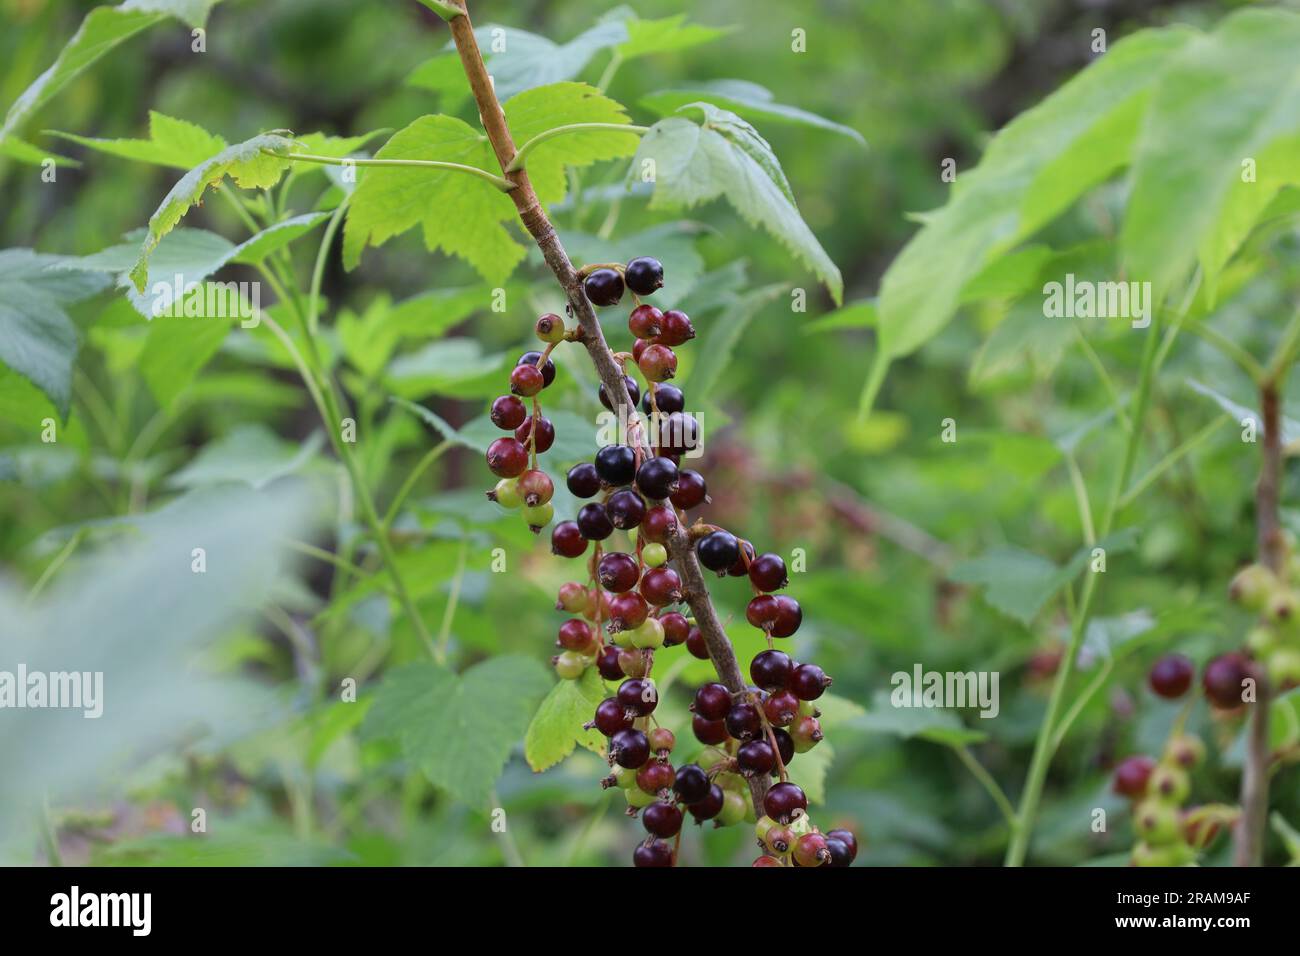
column 618, row 572
column 583, row 481
column 662, row 819
column 645, row 322
column 616, row 465
column 629, row 748
column 781, row 708
column 785, row 802
column 771, row 669
column 696, row 644
column 603, row 287
column 659, row 522
column 767, row 571
column 676, row 628
column 658, row 363
column 644, row 275
column 756, row 756
column 847, row 838
column 692, row 783
column 789, row 615
column 1131, row 776
column 744, row 722
column 677, row 328
column 626, row 508
column 535, row 487
column 667, row 399
column 712, row 701
column 717, row 550
column 657, row 478
column 526, row 380
column 507, row 458
column 661, row 586
column 709, row 731
column 545, row 434
column 508, row 412
column 691, row 490
column 611, row 717
column 1171, row 675
column 708, row 806
column 808, row 681
column 607, row 664
column 652, row 854
column 567, row 541
column 594, row 523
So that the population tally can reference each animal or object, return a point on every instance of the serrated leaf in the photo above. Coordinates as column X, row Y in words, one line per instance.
column 750, row 100
column 248, row 454
column 172, row 142
column 102, row 29
column 725, row 157
column 719, row 341
column 665, row 35
column 247, row 163
column 556, row 728
column 37, row 338
column 458, row 729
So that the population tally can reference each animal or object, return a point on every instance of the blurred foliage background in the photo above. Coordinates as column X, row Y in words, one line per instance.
column 883, row 509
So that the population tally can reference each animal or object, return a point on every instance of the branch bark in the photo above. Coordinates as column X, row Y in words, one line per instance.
column 1271, row 549
column 543, row 232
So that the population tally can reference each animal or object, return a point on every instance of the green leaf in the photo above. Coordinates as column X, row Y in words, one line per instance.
column 926, row 723
column 520, row 61
column 556, row 728
column 179, row 343
column 464, row 216
column 37, row 338
column 1236, row 94
column 459, row 729
column 1290, row 836
column 456, row 368
column 437, row 423
column 1034, row 169
column 755, row 103
column 809, row 771
column 665, row 35
column 23, row 152
column 1284, row 721
column 247, row 163
column 1241, row 413
column 720, row 338
column 249, row 454
column 172, row 142
column 855, row 315
column 102, row 29
column 725, row 157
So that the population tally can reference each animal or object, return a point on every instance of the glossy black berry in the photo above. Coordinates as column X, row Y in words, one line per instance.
column 740, row 567
column 603, row 287
column 808, row 681
column 567, row 540
column 618, row 572
column 611, row 717
column 547, row 369
column 757, row 756
column 789, row 615
column 652, row 854
column 784, row 744
column 662, row 819
column 767, row 571
column 744, row 722
column 718, row 550
column 508, row 412
column 593, row 522
column 644, row 275
column 709, row 731
column 709, row 806
column 626, row 508
column 839, row 851
column 630, row 749
column 657, row 478
column 607, row 664
column 712, row 701
column 785, row 802
column 667, row 398
column 616, row 465
column 691, row 490
column 633, row 392
column 583, row 481
column 692, row 783
column 770, row 669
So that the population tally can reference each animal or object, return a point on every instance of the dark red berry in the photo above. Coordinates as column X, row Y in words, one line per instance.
column 644, row 275
column 676, row 628
column 547, row 369
column 1223, row 678
column 677, row 328
column 576, row 635
column 638, row 695
column 594, row 522
column 508, row 412
column 662, row 819
column 847, row 838
column 658, row 363
column 633, row 392
column 662, row 742
column 652, row 854
column 789, row 615
column 667, row 399
column 771, row 669
column 618, row 572
column 757, row 756
column 678, row 433
column 761, row 611
column 709, row 731
column 545, row 433
column 627, row 611
column 709, row 806
column 657, row 478
column 839, row 853
column 582, row 480
column 767, row 571
column 717, row 550
column 712, row 701
column 645, row 322
column 658, row 523
column 616, row 465
column 603, row 287
column 607, row 664
column 784, row 744
column 507, row 458
column 629, row 748
column 611, row 717
column 692, row 783
column 656, row 775
column 567, row 541
column 744, row 722
column 661, row 586
column 785, row 802
column 781, row 708
column 626, row 508
column 696, row 645
column 808, row 681
column 535, row 487
column 526, row 380
column 691, row 490
column 638, row 349
column 1171, row 675
column 1131, row 776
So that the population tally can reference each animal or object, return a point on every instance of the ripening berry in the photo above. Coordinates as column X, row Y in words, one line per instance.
column 644, row 322
column 662, row 742
column 1223, row 680
column 607, row 664
column 1170, row 784
column 657, row 478
column 617, row 572
column 676, row 628
column 712, row 701
column 567, row 542
column 632, row 663
column 547, row 369
column 654, row 555
column 626, row 508
column 644, row 275
column 664, row 398
column 691, row 490
column 677, row 328
column 652, row 854
column 572, row 596
column 550, row 328
column 627, row 612
column 597, row 605
column 1185, row 750
column 603, row 287
column 508, row 413
column 536, row 487
column 789, row 615
column 779, row 839
column 633, row 392
column 708, row 806
column 629, row 748
column 611, row 717
column 808, row 681
column 507, row 458
column 1131, row 776
column 662, row 819
column 616, row 465
column 781, row 708
column 576, row 635
column 692, row 784
column 648, row 634
column 526, row 380
column 767, row 571
column 709, row 731
column 569, row 665
column 811, row 850
column 658, row 363
column 769, row 670
column 744, row 722
column 1282, row 607
column 849, row 841
column 766, row 860
column 593, row 521
column 761, row 611
column 696, row 645
column 506, row 493
column 582, row 480
column 538, row 517
column 1171, row 675
column 756, row 756
column 806, row 733
column 717, row 550
column 545, row 434
column 658, row 523
column 785, row 802
column 656, row 775
column 661, row 586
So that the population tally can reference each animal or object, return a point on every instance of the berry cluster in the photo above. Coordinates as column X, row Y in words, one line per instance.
column 625, row 612
column 1170, row 834
column 1274, row 641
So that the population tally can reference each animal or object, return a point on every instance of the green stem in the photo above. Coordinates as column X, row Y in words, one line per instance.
column 1106, row 381
column 445, row 10
column 875, row 379
column 453, row 599
column 329, row 557
column 53, row 567
column 1231, row 349
column 318, row 271
column 432, row 455
column 1081, row 498
column 522, row 152
column 607, row 77
column 1284, row 352
column 1081, row 702
column 1169, row 461
column 500, row 182
column 985, row 778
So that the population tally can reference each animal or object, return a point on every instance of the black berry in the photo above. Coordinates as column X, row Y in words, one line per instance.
column 618, row 572
column 662, row 819
column 633, row 392
column 692, row 783
column 629, row 748
column 770, row 669
column 582, row 480
column 667, row 398
column 717, row 550
column 603, row 287
column 709, row 806
column 507, row 412
column 626, row 508
column 691, row 491
column 594, row 523
column 616, row 465
column 547, row 369
column 657, row 478
column 785, row 802
column 644, row 275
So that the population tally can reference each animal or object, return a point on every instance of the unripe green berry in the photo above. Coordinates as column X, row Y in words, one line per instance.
column 506, row 493
column 1252, row 586
column 650, row 633
column 569, row 665
column 1283, row 607
column 710, row 757
column 1261, row 640
column 1284, row 667
column 1185, row 751
column 539, row 517
column 654, row 555
column 733, row 809
column 1157, row 822
column 550, row 328
column 1169, row 784
column 638, row 798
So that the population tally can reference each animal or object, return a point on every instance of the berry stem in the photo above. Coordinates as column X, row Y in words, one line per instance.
column 500, row 182
column 524, row 150
column 539, row 226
